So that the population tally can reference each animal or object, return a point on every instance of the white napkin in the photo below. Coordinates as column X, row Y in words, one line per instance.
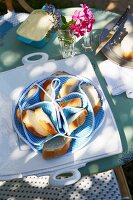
column 14, row 18
column 119, row 79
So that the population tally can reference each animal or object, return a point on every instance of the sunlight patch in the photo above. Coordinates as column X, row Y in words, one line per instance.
column 9, row 57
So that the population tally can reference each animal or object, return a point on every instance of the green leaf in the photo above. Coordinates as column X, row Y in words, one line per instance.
column 64, row 26
column 63, row 19
column 72, row 22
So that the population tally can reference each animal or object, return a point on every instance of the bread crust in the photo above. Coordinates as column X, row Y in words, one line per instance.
column 93, row 96
column 128, row 55
column 29, row 126
column 49, row 154
column 47, row 87
column 97, row 107
column 59, row 151
column 37, row 127
column 32, row 91
column 47, row 124
column 58, row 73
column 127, row 46
column 18, row 115
column 68, row 87
column 76, row 102
column 73, row 125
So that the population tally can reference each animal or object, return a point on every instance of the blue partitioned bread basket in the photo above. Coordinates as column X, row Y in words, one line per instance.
column 60, row 109
column 38, row 28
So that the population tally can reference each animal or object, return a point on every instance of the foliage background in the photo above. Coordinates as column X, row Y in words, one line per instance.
column 117, row 6
column 39, row 3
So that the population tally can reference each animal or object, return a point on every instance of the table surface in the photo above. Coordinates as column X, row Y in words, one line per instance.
column 11, row 52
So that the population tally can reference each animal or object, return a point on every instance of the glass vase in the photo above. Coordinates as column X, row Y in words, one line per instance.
column 67, row 43
column 87, row 40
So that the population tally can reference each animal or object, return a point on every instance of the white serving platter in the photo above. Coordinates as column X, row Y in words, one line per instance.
column 16, row 161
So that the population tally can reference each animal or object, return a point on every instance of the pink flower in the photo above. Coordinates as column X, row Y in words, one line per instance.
column 76, row 14
column 83, row 21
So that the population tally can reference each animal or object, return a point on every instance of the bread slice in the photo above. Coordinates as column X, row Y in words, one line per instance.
column 127, row 46
column 68, row 87
column 32, row 91
column 58, row 73
column 38, row 123
column 45, row 121
column 55, row 147
column 59, row 145
column 18, row 115
column 47, row 87
column 77, row 120
column 93, row 96
column 75, row 102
